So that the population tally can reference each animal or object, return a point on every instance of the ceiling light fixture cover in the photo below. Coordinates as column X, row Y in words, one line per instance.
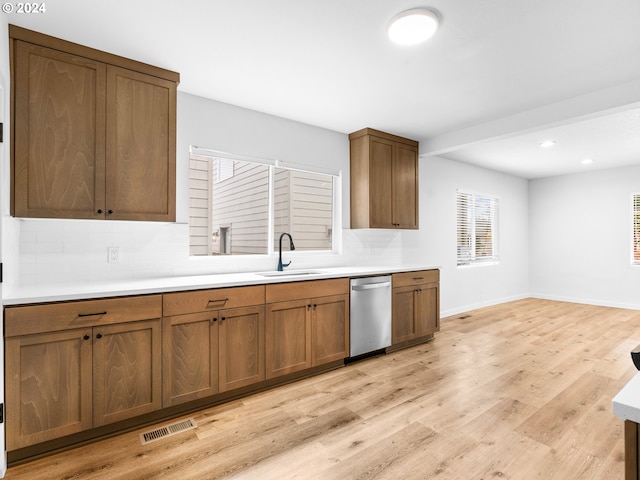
column 548, row 143
column 413, row 26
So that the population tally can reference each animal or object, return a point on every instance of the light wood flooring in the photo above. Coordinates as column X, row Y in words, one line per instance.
column 515, row 391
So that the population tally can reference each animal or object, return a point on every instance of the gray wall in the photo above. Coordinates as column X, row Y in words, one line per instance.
column 581, row 238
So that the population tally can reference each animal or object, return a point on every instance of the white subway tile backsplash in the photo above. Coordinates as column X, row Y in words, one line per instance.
column 74, row 251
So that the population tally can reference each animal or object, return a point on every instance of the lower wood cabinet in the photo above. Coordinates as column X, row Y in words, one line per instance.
column 306, row 332
column 71, row 379
column 48, row 386
column 415, row 306
column 210, row 352
column 127, row 370
column 213, row 342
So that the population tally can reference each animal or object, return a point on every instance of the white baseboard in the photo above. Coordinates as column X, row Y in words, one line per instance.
column 587, row 301
column 488, row 303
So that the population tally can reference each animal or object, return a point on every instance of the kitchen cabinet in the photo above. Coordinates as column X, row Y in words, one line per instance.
column 415, row 304
column 384, row 180
column 213, row 341
column 94, row 134
column 631, row 450
column 77, row 365
column 305, row 331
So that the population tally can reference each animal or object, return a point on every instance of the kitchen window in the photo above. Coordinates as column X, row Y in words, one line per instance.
column 477, row 229
column 241, row 205
column 635, row 227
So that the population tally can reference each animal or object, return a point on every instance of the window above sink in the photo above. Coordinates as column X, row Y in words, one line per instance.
column 240, row 205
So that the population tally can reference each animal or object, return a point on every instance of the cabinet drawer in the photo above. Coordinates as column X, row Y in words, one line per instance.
column 415, row 278
column 283, row 292
column 214, row 299
column 53, row 317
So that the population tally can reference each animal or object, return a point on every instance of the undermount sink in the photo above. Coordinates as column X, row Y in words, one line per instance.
column 289, row 273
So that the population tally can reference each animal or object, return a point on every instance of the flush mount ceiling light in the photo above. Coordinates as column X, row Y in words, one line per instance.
column 586, row 161
column 547, row 143
column 413, row 26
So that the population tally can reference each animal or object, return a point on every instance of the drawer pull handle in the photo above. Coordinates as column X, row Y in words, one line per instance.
column 86, row 337
column 418, row 278
column 99, row 335
column 222, row 300
column 91, row 314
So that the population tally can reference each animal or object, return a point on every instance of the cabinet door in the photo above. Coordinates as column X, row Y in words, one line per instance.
column 288, row 337
column 190, row 357
column 241, row 347
column 428, row 310
column 405, row 186
column 380, row 183
column 59, row 134
column 404, row 314
column 330, row 329
column 140, row 146
column 126, row 370
column 48, row 386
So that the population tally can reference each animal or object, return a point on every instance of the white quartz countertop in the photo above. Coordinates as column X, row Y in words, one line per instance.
column 626, row 404
column 63, row 292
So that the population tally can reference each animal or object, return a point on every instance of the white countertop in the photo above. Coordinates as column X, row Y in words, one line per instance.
column 626, row 404
column 81, row 291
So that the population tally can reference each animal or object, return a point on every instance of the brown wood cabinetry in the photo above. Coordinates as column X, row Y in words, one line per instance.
column 304, row 331
column 384, row 180
column 415, row 306
column 209, row 348
column 89, row 365
column 94, row 134
column 71, row 367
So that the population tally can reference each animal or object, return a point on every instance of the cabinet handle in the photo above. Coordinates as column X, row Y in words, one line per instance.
column 315, row 305
column 418, row 278
column 222, row 319
column 309, row 307
column 221, row 300
column 100, row 211
column 99, row 335
column 109, row 212
column 80, row 315
column 86, row 337
column 214, row 319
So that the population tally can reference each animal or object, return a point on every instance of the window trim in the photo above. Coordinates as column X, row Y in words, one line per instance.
column 471, row 260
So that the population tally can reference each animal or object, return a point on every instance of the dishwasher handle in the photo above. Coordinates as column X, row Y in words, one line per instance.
column 369, row 286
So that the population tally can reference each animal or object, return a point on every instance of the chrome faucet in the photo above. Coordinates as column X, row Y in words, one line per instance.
column 291, row 247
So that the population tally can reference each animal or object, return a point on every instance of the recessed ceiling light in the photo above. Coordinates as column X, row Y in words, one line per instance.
column 547, row 143
column 413, row 26
column 586, row 161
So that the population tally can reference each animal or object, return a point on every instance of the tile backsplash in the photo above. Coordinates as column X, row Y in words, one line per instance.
column 76, row 251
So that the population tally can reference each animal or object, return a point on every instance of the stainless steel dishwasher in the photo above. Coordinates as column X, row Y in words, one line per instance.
column 370, row 314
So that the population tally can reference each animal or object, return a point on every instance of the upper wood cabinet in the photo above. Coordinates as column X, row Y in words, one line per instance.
column 384, row 180
column 94, row 133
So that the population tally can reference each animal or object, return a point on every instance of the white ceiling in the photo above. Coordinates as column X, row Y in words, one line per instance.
column 497, row 78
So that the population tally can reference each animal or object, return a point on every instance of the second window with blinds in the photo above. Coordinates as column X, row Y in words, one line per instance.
column 477, row 229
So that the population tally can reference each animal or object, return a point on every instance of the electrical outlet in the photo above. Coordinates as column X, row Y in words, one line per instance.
column 114, row 254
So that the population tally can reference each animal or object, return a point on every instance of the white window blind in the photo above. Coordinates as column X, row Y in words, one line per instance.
column 635, row 259
column 477, row 225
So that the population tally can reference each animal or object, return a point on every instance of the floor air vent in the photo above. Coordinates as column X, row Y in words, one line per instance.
column 167, row 431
